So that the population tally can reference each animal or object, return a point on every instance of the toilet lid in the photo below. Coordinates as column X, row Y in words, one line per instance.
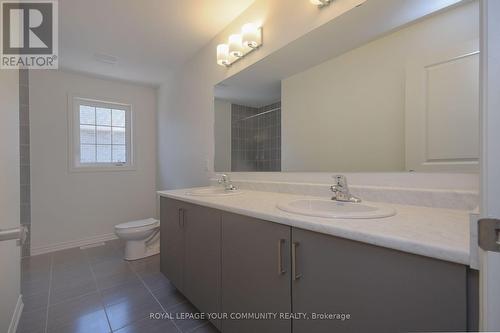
column 136, row 224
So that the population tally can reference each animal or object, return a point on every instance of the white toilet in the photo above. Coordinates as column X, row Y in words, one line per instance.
column 142, row 238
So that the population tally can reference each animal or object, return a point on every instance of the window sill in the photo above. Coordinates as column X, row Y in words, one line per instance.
column 111, row 168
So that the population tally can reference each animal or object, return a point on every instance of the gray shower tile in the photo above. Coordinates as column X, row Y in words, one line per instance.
column 253, row 140
column 24, row 134
column 24, row 151
column 24, row 77
column 24, row 115
column 25, row 194
column 25, row 175
column 25, row 214
column 23, row 95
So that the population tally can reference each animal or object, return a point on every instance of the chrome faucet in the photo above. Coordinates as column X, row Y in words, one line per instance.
column 341, row 190
column 226, row 181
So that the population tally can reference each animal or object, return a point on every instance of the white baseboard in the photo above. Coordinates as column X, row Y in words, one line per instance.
column 71, row 244
column 17, row 315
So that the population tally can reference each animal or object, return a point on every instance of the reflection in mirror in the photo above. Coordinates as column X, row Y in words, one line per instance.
column 405, row 101
column 255, row 137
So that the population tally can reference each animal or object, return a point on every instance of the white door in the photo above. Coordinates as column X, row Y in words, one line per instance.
column 442, row 111
column 10, row 301
column 490, row 159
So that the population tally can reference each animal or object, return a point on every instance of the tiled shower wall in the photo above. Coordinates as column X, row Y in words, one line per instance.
column 256, row 138
column 24, row 149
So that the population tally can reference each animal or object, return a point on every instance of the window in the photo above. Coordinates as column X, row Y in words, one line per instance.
column 101, row 135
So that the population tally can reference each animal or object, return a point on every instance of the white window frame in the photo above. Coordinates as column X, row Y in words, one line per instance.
column 74, row 135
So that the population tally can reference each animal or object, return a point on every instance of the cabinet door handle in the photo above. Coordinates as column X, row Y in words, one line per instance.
column 281, row 268
column 295, row 275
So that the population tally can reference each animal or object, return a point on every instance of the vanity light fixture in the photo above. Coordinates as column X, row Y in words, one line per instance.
column 236, row 46
column 223, row 54
column 321, row 3
column 324, row 3
column 250, row 35
column 239, row 45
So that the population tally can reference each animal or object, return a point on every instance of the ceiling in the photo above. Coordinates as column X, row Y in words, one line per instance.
column 140, row 41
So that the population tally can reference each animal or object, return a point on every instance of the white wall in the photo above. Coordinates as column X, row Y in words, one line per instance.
column 348, row 114
column 185, row 113
column 9, row 194
column 83, row 206
column 222, row 133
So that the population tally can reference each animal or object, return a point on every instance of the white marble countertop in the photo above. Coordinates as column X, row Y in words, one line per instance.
column 431, row 232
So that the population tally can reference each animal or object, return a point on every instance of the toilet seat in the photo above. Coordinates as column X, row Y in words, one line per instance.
column 139, row 225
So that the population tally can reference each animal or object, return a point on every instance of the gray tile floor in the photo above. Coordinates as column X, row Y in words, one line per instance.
column 95, row 290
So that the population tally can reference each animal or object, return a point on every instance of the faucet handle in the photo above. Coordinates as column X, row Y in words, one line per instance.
column 222, row 178
column 341, row 190
column 341, row 181
column 335, row 188
column 228, row 184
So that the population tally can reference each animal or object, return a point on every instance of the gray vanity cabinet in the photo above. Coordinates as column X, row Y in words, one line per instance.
column 190, row 252
column 202, row 230
column 255, row 273
column 383, row 290
column 229, row 263
column 172, row 241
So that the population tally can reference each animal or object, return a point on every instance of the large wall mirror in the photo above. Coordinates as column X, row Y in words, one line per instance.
column 393, row 100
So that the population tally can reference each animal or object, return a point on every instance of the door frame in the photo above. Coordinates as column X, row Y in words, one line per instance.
column 490, row 158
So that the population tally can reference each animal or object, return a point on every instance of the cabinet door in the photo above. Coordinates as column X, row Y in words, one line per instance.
column 202, row 229
column 255, row 273
column 172, row 240
column 383, row 290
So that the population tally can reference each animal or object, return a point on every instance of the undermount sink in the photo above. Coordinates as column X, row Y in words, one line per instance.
column 335, row 209
column 214, row 192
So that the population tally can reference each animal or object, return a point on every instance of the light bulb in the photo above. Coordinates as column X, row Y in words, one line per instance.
column 223, row 54
column 320, row 3
column 236, row 46
column 250, row 35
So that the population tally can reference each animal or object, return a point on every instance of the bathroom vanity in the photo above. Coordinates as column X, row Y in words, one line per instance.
column 241, row 254
column 399, row 112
